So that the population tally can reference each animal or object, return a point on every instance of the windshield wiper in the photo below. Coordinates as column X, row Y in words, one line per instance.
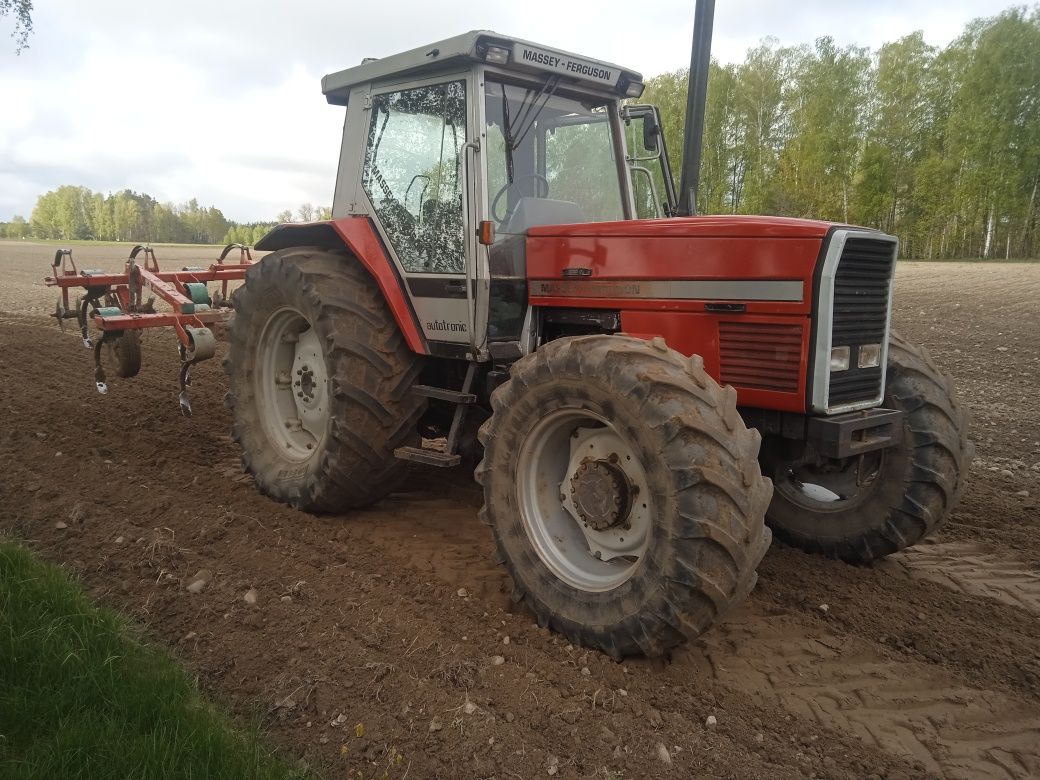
column 526, row 118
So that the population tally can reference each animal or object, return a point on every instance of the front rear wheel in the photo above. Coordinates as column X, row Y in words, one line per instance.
column 623, row 492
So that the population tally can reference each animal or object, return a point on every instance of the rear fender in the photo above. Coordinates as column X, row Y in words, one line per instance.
column 357, row 236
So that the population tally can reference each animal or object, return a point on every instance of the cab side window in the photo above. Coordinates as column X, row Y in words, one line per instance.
column 413, row 174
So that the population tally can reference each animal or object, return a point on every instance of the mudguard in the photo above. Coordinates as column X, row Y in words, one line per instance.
column 357, row 236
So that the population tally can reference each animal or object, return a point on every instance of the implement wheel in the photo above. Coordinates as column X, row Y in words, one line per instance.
column 869, row 506
column 623, row 491
column 125, row 352
column 320, row 380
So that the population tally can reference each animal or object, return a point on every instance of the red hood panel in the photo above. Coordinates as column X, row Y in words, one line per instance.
column 723, row 226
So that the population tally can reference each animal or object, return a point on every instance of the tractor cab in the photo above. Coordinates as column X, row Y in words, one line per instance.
column 456, row 150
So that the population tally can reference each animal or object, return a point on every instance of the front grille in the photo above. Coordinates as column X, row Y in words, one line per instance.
column 761, row 356
column 862, row 285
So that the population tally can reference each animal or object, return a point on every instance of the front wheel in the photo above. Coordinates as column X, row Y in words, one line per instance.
column 865, row 507
column 623, row 491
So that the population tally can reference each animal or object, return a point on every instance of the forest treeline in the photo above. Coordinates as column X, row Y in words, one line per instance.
column 939, row 146
column 76, row 213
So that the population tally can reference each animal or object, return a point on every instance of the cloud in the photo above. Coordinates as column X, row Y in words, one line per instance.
column 221, row 100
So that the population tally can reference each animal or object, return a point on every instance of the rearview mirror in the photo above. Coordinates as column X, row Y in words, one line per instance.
column 650, row 132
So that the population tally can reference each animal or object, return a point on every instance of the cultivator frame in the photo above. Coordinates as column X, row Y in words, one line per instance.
column 115, row 303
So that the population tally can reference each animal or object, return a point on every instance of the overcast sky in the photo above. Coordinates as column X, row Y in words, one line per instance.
column 221, row 100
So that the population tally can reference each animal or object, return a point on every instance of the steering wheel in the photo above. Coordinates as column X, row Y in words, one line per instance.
column 498, row 196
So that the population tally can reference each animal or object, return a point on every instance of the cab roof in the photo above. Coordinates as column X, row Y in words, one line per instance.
column 523, row 56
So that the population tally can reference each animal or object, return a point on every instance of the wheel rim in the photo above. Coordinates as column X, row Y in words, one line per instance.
column 561, row 503
column 292, row 385
column 832, row 487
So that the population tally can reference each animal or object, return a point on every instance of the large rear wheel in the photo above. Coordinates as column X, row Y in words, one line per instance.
column 863, row 508
column 623, row 491
column 320, row 381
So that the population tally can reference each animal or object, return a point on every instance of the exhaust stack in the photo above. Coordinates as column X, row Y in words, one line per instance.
column 696, row 98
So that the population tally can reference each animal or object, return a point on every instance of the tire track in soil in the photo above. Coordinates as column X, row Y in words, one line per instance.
column 974, row 570
column 903, row 708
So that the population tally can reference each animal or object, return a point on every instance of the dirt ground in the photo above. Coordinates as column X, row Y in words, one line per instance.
column 385, row 643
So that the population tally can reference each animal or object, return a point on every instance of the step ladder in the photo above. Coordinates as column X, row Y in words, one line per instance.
column 463, row 400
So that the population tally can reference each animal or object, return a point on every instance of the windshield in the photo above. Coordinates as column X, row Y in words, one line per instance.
column 550, row 158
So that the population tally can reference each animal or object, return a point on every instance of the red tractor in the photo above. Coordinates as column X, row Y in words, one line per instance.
column 509, row 278
column 508, row 274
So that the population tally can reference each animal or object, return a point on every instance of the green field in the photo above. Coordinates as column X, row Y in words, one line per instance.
column 81, row 696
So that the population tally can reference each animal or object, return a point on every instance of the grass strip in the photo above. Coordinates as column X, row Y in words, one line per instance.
column 81, row 696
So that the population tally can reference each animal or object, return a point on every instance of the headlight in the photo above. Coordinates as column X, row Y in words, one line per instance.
column 840, row 359
column 869, row 356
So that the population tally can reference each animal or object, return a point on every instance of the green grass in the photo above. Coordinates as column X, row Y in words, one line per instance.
column 82, row 697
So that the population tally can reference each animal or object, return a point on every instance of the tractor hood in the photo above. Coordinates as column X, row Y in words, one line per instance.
column 723, row 226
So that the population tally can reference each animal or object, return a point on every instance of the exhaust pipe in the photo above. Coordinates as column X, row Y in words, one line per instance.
column 696, row 98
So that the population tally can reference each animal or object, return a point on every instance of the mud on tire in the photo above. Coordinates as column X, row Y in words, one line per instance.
column 369, row 367
column 918, row 484
column 707, row 531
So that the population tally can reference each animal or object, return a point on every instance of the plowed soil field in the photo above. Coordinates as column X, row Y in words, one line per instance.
column 384, row 643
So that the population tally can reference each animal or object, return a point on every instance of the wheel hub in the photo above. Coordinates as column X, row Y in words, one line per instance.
column 292, row 384
column 601, row 493
column 584, row 499
column 305, row 384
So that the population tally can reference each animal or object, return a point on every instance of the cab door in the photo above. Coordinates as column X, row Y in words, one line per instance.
column 418, row 178
column 652, row 185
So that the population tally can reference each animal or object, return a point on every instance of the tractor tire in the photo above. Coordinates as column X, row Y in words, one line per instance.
column 908, row 492
column 320, row 379
column 126, row 353
column 678, row 457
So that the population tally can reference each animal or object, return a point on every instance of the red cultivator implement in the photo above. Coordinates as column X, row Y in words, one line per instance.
column 117, row 306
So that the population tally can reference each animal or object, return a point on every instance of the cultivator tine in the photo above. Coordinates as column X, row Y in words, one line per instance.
column 133, row 283
column 59, row 314
column 88, row 342
column 99, row 371
column 202, row 345
column 185, row 403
